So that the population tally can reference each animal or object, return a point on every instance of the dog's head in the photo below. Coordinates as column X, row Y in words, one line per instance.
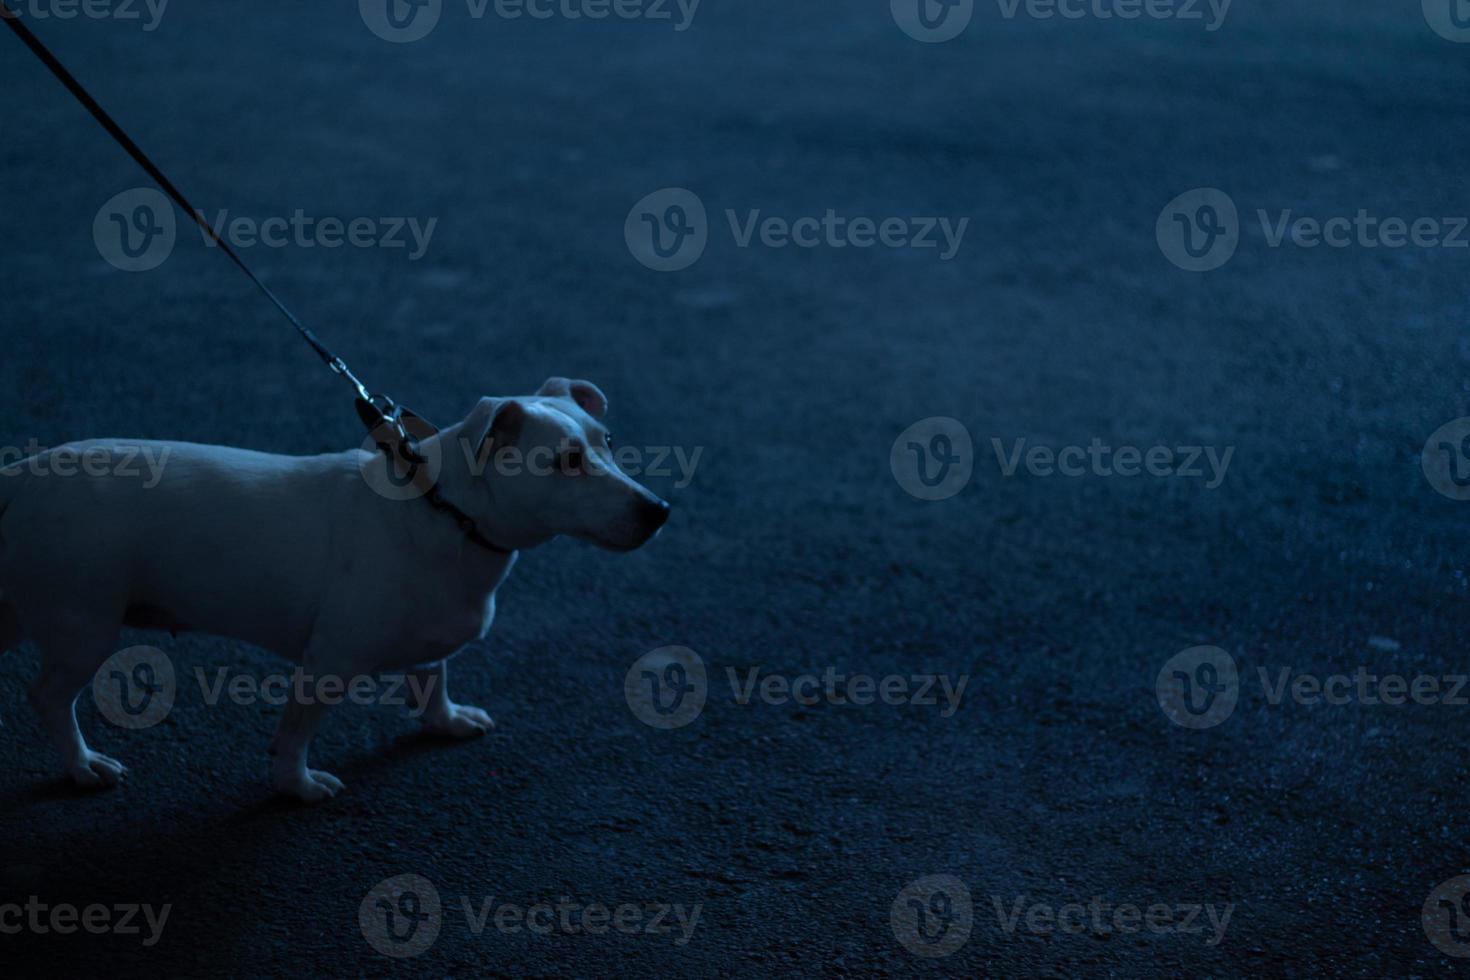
column 547, row 468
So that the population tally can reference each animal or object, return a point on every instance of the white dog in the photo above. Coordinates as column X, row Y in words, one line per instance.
column 305, row 556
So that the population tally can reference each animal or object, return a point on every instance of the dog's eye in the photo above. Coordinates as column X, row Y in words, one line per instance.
column 607, row 439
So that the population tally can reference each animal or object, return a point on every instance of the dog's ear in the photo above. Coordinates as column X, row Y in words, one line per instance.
column 587, row 395
column 494, row 424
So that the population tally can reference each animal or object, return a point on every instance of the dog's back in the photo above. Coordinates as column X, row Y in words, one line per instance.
column 103, row 523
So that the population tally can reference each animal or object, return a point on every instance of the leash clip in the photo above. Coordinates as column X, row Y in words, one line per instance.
column 377, row 411
column 381, row 410
column 339, row 367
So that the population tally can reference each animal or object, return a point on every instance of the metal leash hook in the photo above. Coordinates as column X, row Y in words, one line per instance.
column 397, row 431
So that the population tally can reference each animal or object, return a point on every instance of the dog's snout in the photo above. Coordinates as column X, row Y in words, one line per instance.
column 655, row 513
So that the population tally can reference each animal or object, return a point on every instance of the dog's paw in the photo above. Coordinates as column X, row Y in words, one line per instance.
column 462, row 721
column 96, row 771
column 309, row 785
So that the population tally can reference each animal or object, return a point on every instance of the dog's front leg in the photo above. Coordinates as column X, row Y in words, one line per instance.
column 289, row 774
column 429, row 689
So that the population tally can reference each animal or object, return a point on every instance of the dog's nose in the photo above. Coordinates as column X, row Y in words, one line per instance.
column 655, row 513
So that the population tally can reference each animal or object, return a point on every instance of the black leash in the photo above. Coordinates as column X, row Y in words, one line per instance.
column 136, row 152
column 376, row 411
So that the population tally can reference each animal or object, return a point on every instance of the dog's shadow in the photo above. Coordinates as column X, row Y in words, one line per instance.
column 208, row 865
column 51, row 790
column 356, row 768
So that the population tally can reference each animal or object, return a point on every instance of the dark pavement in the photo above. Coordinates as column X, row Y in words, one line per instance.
column 1060, row 321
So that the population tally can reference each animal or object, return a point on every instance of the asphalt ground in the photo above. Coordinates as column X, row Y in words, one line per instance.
column 794, row 548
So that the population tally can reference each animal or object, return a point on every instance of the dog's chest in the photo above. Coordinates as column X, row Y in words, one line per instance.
column 444, row 623
column 436, row 613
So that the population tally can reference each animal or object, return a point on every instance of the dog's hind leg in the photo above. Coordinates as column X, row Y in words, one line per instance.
column 71, row 652
column 289, row 774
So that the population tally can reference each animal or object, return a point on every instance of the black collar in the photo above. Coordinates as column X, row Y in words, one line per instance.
column 466, row 523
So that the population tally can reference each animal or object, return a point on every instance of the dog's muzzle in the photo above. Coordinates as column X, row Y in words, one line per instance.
column 654, row 514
